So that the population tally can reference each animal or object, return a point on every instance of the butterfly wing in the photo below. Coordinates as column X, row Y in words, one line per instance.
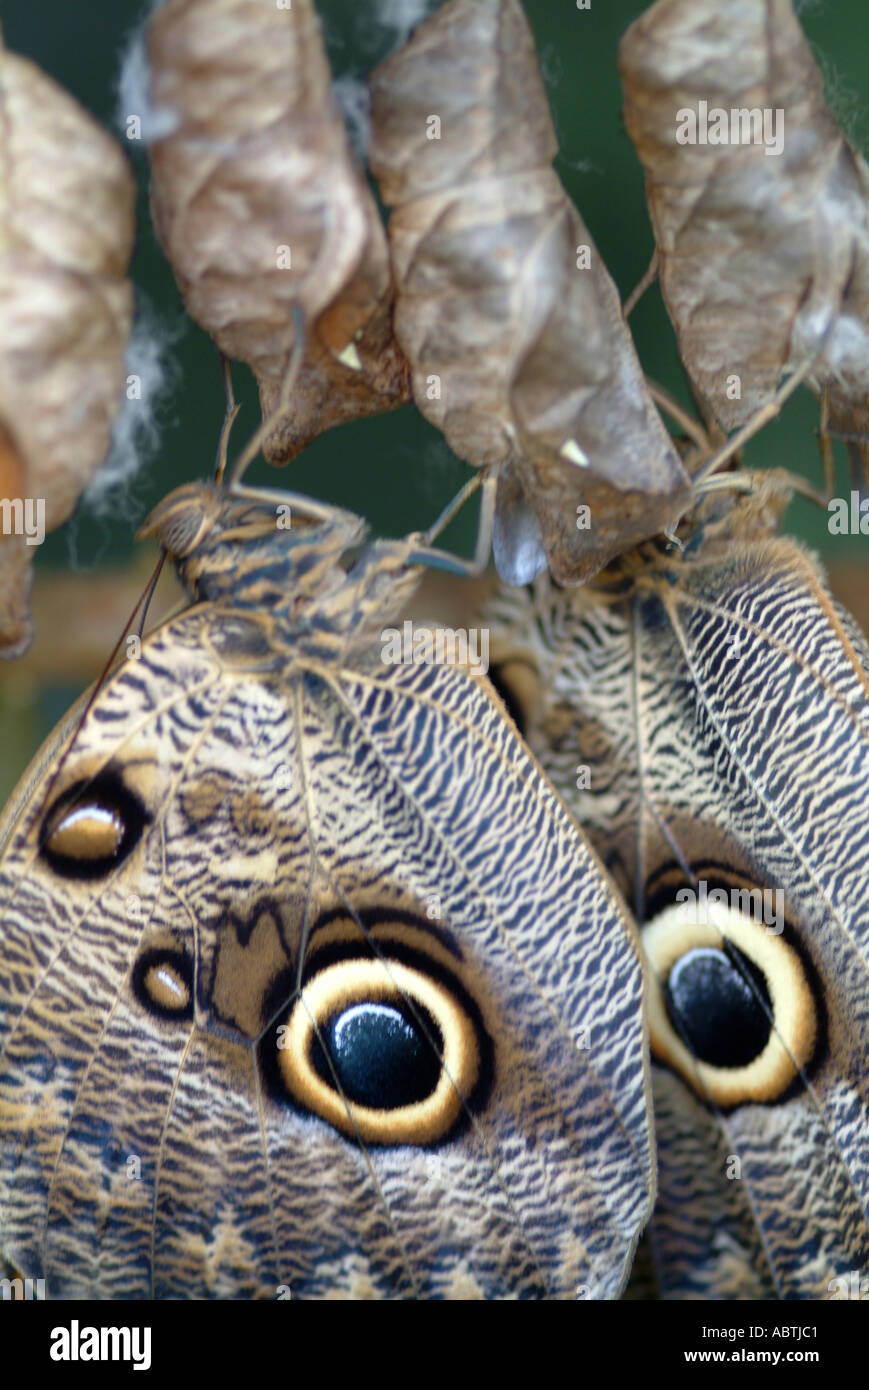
column 311, row 986
column 720, row 718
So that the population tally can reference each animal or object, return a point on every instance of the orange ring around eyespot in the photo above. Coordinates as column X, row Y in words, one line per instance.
column 791, row 1041
column 348, row 982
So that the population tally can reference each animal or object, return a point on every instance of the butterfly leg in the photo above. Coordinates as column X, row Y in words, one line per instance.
column 428, row 554
column 258, row 438
column 232, row 409
column 299, row 502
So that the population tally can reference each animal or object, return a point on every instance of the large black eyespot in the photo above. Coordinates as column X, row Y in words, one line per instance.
column 163, row 982
column 92, row 828
column 389, row 1048
column 719, row 1004
column 380, row 1054
column 731, row 1006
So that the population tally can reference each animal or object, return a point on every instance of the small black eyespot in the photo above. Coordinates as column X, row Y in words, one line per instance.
column 92, row 828
column 163, row 982
column 718, row 1003
column 382, row 1055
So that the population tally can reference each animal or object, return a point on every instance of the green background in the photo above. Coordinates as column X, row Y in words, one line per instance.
column 394, row 469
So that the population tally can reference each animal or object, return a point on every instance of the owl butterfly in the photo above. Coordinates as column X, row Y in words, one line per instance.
column 309, row 983
column 706, row 717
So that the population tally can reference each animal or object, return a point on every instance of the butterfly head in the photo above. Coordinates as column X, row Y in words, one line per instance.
column 185, row 519
column 256, row 548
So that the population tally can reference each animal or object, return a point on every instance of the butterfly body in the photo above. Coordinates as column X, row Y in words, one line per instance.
column 284, row 1002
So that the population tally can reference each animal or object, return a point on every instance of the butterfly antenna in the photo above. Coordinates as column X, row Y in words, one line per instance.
column 232, row 409
column 143, row 603
column 267, row 427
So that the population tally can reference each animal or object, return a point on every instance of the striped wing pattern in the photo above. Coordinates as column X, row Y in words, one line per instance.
column 291, row 805
column 722, row 708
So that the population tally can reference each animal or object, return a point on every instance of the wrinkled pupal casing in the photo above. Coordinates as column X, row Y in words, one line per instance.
column 504, row 308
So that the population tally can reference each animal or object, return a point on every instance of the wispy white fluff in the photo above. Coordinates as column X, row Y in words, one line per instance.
column 401, row 15
column 551, row 66
column 398, row 18
column 133, row 89
column 136, row 435
column 847, row 349
column 354, row 98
